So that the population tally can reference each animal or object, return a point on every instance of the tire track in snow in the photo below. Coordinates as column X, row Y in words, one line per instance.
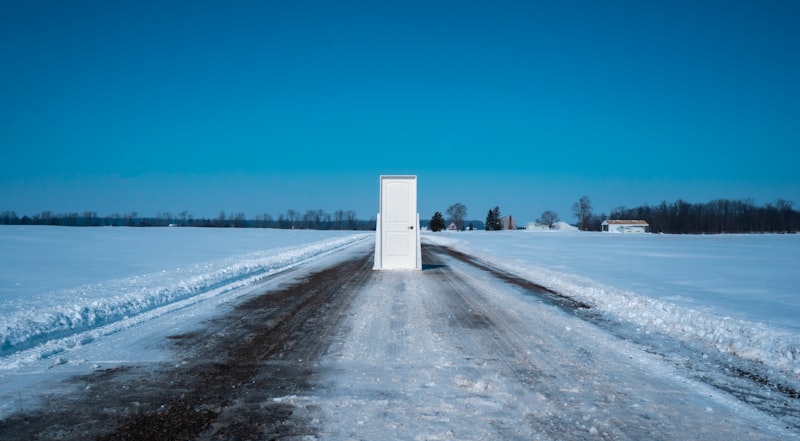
column 749, row 382
column 230, row 378
column 453, row 352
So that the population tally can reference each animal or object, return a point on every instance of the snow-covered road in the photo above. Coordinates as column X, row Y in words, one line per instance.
column 336, row 351
column 454, row 353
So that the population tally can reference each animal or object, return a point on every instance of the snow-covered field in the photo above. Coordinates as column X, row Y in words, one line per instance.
column 65, row 292
column 66, row 288
column 739, row 293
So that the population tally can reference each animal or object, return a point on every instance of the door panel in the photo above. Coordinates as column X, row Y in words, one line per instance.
column 398, row 219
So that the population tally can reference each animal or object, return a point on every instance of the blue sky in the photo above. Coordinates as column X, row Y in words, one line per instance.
column 259, row 107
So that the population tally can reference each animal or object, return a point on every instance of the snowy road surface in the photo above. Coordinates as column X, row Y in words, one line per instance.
column 450, row 352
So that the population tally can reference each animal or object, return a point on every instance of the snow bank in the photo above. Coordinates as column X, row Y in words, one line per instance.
column 750, row 340
column 640, row 269
column 45, row 321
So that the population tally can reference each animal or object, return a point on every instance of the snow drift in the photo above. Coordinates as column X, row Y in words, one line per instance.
column 744, row 305
column 42, row 319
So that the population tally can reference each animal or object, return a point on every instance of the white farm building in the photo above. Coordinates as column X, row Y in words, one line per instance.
column 625, row 226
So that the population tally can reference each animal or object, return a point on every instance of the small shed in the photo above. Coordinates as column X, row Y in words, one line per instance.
column 625, row 226
column 452, row 227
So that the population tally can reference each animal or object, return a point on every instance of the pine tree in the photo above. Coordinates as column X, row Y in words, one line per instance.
column 498, row 219
column 491, row 220
column 437, row 222
column 494, row 222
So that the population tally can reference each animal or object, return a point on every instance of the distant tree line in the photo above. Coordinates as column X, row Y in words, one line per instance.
column 679, row 217
column 717, row 216
column 292, row 219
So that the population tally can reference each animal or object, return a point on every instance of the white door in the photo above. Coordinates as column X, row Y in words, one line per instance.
column 399, row 222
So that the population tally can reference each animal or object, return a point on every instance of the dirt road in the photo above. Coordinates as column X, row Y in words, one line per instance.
column 451, row 352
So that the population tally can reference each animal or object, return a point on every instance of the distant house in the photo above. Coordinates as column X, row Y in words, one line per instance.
column 452, row 227
column 625, row 226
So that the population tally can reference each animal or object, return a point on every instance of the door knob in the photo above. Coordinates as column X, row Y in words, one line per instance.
column 411, row 227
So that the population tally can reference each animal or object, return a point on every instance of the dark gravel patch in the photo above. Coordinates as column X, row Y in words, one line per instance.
column 226, row 379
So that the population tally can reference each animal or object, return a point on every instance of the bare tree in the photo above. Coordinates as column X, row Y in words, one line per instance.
column 326, row 221
column 89, row 218
column 583, row 211
column 338, row 217
column 784, row 214
column 239, row 220
column 549, row 218
column 263, row 220
column 456, row 213
column 9, row 218
column 318, row 215
column 163, row 218
column 283, row 222
column 129, row 218
column 350, row 216
column 311, row 219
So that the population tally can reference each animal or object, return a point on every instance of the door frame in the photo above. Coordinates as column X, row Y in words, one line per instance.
column 415, row 258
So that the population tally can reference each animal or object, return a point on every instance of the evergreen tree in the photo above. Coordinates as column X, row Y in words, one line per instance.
column 490, row 220
column 498, row 219
column 494, row 222
column 437, row 222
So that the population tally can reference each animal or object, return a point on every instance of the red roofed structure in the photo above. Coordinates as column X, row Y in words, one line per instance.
column 625, row 226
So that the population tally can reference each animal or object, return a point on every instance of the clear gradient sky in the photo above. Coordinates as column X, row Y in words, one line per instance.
column 260, row 106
